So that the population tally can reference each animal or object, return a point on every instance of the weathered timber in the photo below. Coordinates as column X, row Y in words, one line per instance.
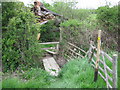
column 114, row 71
column 98, row 55
column 49, row 43
column 49, row 48
column 51, row 52
column 51, row 66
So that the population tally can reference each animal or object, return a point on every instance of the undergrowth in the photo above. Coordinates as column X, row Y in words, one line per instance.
column 75, row 74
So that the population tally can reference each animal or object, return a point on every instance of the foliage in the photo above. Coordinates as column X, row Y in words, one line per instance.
column 108, row 20
column 9, row 10
column 70, row 22
column 81, row 76
column 20, row 49
column 49, row 32
column 108, row 17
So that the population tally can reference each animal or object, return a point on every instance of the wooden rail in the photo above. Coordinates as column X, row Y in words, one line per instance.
column 106, row 69
column 73, row 51
column 51, row 48
column 49, row 43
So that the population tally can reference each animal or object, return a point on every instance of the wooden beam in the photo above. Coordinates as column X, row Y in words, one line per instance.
column 51, row 52
column 51, row 66
column 49, row 43
column 48, row 48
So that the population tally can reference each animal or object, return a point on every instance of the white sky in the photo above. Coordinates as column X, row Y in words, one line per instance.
column 81, row 3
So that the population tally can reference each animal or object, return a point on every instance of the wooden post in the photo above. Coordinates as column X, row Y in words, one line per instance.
column 61, row 34
column 38, row 36
column 91, row 52
column 115, row 71
column 57, row 47
column 98, row 56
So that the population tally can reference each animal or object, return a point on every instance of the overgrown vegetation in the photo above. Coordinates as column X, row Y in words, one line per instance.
column 109, row 24
column 81, row 76
column 21, row 53
column 20, row 48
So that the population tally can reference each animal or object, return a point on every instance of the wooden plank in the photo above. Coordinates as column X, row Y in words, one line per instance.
column 51, row 66
column 48, row 48
column 46, row 65
column 76, row 47
column 51, row 52
column 49, row 43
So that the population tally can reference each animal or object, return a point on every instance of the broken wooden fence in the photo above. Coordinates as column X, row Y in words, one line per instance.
column 49, row 49
column 73, row 51
column 107, row 66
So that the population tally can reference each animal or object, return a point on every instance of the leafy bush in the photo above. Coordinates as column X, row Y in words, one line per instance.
column 50, row 31
column 20, row 48
column 107, row 18
column 109, row 23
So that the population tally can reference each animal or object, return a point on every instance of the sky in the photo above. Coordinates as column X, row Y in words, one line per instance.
column 91, row 4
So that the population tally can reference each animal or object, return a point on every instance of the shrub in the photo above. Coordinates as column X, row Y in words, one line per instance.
column 20, row 48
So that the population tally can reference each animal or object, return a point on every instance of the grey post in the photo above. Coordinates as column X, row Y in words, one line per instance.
column 115, row 71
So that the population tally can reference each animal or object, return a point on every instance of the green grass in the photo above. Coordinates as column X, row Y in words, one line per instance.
column 78, row 74
column 75, row 74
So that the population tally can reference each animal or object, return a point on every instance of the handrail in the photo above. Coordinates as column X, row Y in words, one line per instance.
column 49, row 43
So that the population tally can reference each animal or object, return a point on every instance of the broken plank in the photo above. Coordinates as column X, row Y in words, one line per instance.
column 51, row 52
column 51, row 66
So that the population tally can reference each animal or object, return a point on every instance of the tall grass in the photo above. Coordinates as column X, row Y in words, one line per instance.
column 78, row 74
column 75, row 74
